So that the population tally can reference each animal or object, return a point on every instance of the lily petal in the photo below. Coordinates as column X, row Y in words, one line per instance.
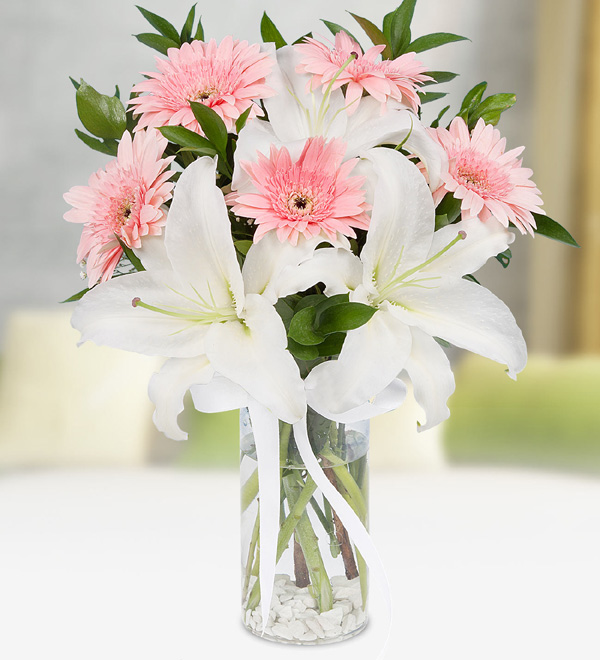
column 267, row 259
column 368, row 128
column 338, row 269
column 153, row 253
column 292, row 111
column 254, row 355
column 483, row 240
column 402, row 220
column 219, row 395
column 198, row 236
column 168, row 387
column 371, row 358
column 431, row 376
column 468, row 316
column 106, row 316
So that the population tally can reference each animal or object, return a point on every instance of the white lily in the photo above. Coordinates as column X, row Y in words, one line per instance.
column 414, row 277
column 296, row 114
column 193, row 305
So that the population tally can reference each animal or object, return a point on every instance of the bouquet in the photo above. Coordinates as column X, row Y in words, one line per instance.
column 282, row 225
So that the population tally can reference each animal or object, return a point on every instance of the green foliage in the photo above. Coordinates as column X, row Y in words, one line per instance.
column 161, row 25
column 449, row 207
column 436, row 122
column 552, row 229
column 212, row 125
column 270, row 34
column 188, row 26
column 103, row 116
column 157, row 42
column 375, row 35
column 108, row 147
column 188, row 139
column 428, row 97
column 242, row 119
column 474, row 107
column 505, row 257
column 399, row 27
column 75, row 297
column 433, row 40
column 243, row 246
column 132, row 256
column 318, row 324
column 439, row 77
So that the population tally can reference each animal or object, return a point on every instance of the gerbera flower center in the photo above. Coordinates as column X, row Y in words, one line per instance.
column 124, row 207
column 208, row 92
column 477, row 173
column 300, row 203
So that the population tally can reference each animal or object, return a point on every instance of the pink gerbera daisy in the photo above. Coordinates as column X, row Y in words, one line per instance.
column 396, row 79
column 310, row 195
column 225, row 77
column 488, row 180
column 122, row 202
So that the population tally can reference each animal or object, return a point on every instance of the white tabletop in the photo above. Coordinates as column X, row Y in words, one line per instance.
column 144, row 565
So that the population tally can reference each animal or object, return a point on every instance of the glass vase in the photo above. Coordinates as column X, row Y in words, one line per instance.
column 321, row 582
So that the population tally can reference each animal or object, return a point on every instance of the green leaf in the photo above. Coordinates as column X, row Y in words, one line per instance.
column 552, row 229
column 334, row 28
column 375, row 35
column 302, row 328
column 387, row 26
column 188, row 26
column 301, row 39
column 310, row 301
column 285, row 311
column 242, row 119
column 103, row 116
column 400, row 27
column 472, row 100
column 436, row 122
column 344, row 317
column 439, row 77
column 332, row 345
column 504, row 258
column 470, row 278
column 434, row 40
column 449, row 206
column 243, row 246
column 443, row 342
column 441, row 220
column 76, row 296
column 212, row 125
column 132, row 256
column 491, row 108
column 330, row 302
column 199, row 36
column 103, row 146
column 186, row 138
column 270, row 33
column 75, row 83
column 156, row 41
column 161, row 24
column 306, row 353
column 428, row 97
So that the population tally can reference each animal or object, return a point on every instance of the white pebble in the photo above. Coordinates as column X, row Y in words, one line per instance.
column 286, row 596
column 298, row 606
column 298, row 629
column 285, row 612
column 349, row 624
column 334, row 615
column 316, row 627
column 361, row 617
column 280, row 630
column 308, row 637
column 335, row 632
column 326, row 623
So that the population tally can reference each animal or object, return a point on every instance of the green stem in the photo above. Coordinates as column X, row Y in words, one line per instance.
column 285, row 533
column 354, row 495
column 249, row 490
column 285, row 430
column 251, row 551
column 320, row 584
column 362, row 572
column 327, row 523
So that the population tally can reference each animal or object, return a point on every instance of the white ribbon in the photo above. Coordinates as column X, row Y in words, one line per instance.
column 265, row 427
column 348, row 518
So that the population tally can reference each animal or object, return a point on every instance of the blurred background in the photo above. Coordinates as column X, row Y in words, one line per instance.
column 82, row 467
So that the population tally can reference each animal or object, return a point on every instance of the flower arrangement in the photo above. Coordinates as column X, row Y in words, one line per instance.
column 281, row 224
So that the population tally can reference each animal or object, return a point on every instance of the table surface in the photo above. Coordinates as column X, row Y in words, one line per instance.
column 144, row 565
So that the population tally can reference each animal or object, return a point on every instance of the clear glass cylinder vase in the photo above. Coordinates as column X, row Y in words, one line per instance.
column 321, row 582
